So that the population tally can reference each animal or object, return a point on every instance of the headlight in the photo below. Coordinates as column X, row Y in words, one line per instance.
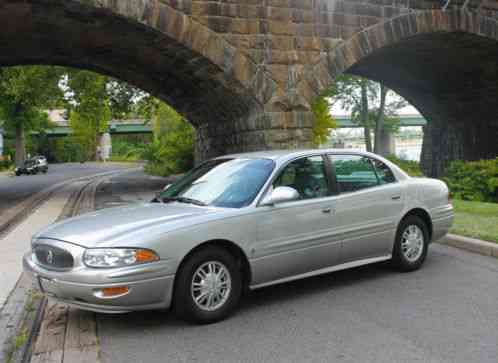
column 117, row 257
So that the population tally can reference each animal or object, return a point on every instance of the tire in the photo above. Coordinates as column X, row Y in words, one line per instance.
column 407, row 255
column 189, row 285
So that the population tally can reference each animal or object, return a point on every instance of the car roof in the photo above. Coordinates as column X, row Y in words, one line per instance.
column 291, row 154
column 283, row 156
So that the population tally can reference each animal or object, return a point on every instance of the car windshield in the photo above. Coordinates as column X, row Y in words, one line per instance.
column 230, row 183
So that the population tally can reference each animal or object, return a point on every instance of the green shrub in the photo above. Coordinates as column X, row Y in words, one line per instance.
column 123, row 150
column 410, row 167
column 172, row 151
column 474, row 181
column 5, row 164
column 68, row 150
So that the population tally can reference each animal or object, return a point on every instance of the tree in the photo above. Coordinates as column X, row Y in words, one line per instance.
column 125, row 100
column 373, row 106
column 89, row 110
column 25, row 92
column 323, row 119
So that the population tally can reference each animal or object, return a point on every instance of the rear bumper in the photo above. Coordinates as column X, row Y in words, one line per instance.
column 442, row 222
column 146, row 294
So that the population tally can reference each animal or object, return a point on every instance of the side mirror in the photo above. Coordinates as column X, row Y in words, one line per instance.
column 281, row 195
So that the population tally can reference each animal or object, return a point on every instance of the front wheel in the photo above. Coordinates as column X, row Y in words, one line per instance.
column 411, row 244
column 208, row 286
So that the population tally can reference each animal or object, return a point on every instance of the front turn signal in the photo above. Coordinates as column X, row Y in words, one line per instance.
column 143, row 256
column 114, row 291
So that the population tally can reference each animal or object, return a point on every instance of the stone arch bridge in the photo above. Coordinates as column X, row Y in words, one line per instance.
column 245, row 72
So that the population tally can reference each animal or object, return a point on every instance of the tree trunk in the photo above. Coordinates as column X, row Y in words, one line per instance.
column 380, row 138
column 364, row 115
column 20, row 144
column 368, row 138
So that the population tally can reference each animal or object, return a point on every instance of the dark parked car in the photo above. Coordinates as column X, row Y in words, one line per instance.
column 33, row 166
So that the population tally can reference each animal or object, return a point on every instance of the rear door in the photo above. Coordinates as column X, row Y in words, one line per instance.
column 368, row 206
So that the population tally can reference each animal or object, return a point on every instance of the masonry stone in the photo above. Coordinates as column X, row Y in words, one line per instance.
column 246, row 72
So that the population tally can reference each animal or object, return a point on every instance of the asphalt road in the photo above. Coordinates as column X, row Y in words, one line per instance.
column 15, row 189
column 445, row 312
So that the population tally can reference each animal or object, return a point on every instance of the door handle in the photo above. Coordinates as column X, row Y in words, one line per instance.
column 327, row 210
column 396, row 197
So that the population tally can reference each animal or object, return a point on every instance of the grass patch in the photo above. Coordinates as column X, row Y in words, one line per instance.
column 476, row 219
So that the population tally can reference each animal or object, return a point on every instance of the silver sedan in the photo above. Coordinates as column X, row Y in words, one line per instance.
column 241, row 222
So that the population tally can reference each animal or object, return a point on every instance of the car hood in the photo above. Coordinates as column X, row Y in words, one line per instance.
column 126, row 224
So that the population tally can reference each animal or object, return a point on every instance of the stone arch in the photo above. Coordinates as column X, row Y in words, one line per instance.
column 445, row 64
column 154, row 45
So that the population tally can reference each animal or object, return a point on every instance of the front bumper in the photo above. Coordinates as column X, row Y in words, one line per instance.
column 144, row 294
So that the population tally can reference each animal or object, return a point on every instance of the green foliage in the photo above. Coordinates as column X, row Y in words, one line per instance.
column 67, row 150
column 172, row 150
column 323, row 121
column 24, row 94
column 410, row 167
column 5, row 164
column 123, row 150
column 91, row 113
column 372, row 106
column 474, row 181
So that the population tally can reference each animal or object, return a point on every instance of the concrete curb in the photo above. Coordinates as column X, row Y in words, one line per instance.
column 471, row 245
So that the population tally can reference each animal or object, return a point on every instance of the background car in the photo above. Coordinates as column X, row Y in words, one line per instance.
column 34, row 165
column 241, row 222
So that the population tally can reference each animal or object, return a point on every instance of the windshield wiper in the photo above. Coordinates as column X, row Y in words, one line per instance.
column 183, row 200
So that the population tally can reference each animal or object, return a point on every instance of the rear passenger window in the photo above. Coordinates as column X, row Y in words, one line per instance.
column 353, row 172
column 384, row 173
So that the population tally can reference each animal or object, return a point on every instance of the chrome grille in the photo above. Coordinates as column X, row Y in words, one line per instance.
column 53, row 257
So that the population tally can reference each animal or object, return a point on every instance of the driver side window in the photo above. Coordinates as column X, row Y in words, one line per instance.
column 307, row 176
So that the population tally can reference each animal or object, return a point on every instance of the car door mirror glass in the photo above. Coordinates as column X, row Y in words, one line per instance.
column 281, row 195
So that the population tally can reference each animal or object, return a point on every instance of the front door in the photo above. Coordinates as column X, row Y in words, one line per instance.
column 295, row 237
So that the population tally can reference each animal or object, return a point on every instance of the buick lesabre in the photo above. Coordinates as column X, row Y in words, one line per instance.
column 241, row 222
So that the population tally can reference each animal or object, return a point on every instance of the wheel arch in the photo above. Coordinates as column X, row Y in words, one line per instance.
column 422, row 214
column 235, row 250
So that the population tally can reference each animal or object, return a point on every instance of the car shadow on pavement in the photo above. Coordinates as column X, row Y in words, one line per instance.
column 265, row 298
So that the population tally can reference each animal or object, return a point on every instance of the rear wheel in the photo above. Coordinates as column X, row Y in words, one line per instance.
column 208, row 286
column 411, row 244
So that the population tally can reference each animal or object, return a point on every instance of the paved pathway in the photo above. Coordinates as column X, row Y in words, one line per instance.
column 15, row 189
column 17, row 242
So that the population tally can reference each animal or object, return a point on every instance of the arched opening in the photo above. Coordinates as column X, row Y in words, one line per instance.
column 145, row 43
column 446, row 65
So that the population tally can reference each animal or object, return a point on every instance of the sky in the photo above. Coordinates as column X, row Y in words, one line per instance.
column 337, row 110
